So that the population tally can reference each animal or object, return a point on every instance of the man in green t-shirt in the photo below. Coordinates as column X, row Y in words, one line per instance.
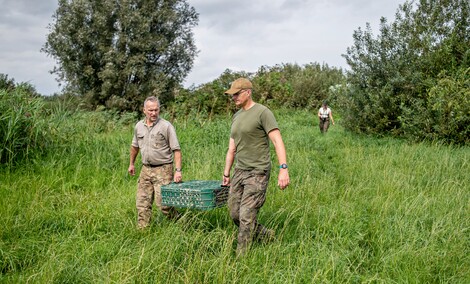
column 252, row 128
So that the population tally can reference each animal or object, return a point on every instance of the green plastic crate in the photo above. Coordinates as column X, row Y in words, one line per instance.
column 195, row 194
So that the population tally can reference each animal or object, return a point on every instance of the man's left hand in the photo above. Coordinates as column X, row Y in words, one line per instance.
column 178, row 177
column 283, row 179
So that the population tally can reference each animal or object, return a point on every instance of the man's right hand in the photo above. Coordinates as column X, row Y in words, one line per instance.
column 131, row 170
column 225, row 181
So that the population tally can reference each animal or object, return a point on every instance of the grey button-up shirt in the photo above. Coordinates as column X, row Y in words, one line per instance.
column 156, row 142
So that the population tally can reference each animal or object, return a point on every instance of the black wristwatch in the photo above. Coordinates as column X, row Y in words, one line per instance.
column 178, row 170
column 283, row 166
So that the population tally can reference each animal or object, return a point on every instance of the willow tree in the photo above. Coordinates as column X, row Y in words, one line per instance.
column 116, row 52
column 413, row 78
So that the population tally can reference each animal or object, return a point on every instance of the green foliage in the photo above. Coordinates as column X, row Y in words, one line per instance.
column 272, row 86
column 6, row 83
column 446, row 114
column 206, row 100
column 33, row 126
column 65, row 102
column 358, row 210
column 9, row 84
column 287, row 85
column 392, row 76
column 21, row 131
column 291, row 85
column 116, row 53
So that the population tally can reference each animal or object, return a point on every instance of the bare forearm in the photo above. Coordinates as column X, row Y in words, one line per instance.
column 276, row 138
column 229, row 158
column 283, row 177
column 133, row 154
column 178, row 176
column 178, row 159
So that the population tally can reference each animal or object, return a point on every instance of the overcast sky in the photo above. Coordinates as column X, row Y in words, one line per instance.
column 237, row 35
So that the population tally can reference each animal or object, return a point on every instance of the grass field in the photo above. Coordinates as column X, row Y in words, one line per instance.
column 358, row 210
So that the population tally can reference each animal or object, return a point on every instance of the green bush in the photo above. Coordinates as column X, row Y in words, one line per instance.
column 445, row 114
column 19, row 124
column 6, row 83
column 286, row 85
column 205, row 101
column 295, row 86
column 32, row 126
column 411, row 80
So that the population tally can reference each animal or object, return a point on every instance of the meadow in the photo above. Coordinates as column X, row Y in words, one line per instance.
column 359, row 210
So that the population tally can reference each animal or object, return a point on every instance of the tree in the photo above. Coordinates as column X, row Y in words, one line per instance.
column 392, row 76
column 9, row 84
column 116, row 52
column 6, row 83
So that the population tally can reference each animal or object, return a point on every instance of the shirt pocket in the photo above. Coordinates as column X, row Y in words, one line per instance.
column 140, row 139
column 159, row 140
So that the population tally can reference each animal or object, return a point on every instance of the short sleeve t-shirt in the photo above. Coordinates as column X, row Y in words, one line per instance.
column 250, row 130
column 324, row 113
column 156, row 142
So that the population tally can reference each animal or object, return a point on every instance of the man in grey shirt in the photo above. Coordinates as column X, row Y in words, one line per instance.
column 156, row 139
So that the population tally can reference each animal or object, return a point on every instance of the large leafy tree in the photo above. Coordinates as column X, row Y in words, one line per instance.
column 116, row 52
column 396, row 79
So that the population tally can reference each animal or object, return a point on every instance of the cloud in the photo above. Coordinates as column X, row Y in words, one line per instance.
column 23, row 29
column 250, row 34
column 29, row 7
column 239, row 35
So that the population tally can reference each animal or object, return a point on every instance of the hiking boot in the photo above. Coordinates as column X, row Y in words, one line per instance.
column 266, row 236
column 142, row 227
column 174, row 216
column 241, row 250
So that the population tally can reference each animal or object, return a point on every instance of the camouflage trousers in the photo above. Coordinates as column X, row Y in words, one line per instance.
column 324, row 124
column 149, row 190
column 247, row 195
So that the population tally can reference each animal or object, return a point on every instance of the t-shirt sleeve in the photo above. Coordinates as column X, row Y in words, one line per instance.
column 268, row 121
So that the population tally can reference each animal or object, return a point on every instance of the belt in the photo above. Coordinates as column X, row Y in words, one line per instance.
column 154, row 166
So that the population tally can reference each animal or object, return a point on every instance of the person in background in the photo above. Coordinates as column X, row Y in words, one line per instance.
column 252, row 128
column 325, row 115
column 157, row 141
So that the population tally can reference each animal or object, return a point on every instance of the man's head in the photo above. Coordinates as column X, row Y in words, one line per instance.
column 151, row 109
column 240, row 91
column 324, row 104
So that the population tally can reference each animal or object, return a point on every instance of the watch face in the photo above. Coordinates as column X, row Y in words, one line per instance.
column 283, row 166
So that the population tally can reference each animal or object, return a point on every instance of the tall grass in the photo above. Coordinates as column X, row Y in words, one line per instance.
column 359, row 209
column 19, row 131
